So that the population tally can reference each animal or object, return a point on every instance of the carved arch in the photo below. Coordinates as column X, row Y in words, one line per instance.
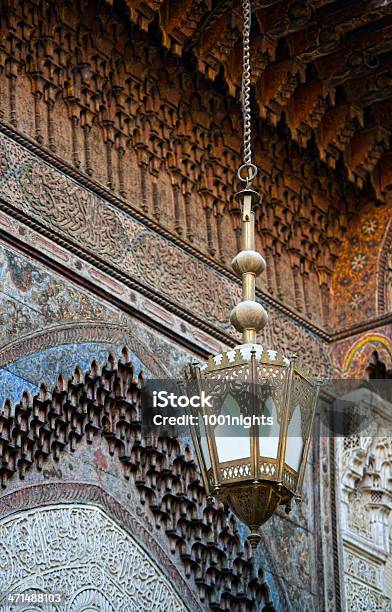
column 105, row 552
column 81, row 332
column 384, row 294
column 359, row 354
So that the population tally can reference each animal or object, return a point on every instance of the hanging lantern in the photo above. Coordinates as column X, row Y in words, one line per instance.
column 254, row 469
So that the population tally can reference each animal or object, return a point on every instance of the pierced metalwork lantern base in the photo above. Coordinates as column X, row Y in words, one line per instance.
column 254, row 503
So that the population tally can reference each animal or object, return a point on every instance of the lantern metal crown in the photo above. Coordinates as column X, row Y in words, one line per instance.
column 253, row 470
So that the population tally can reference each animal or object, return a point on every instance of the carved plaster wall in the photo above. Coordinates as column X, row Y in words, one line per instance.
column 80, row 552
column 64, row 325
column 364, row 506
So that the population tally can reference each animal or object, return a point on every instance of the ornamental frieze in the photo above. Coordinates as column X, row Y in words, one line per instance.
column 60, row 203
column 163, row 265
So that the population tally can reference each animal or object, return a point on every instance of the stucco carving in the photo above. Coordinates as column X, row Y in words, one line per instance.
column 77, row 212
column 77, row 550
column 291, row 338
column 166, row 266
column 360, row 598
column 42, row 191
column 365, row 504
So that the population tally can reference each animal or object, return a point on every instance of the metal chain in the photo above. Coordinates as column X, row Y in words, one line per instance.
column 248, row 166
column 246, row 109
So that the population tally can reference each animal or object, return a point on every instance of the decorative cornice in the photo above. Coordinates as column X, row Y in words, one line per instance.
column 370, row 324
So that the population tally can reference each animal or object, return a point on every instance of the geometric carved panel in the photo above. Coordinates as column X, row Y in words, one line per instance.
column 79, row 551
column 360, row 597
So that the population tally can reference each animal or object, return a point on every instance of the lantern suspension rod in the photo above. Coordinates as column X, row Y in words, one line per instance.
column 249, row 316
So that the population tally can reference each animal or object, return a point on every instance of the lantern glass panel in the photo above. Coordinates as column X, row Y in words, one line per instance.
column 233, row 447
column 269, row 434
column 204, row 443
column 300, row 423
column 294, row 445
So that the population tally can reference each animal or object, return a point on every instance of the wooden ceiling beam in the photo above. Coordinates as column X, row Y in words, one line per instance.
column 276, row 86
column 180, row 21
column 365, row 150
column 373, row 89
column 263, row 54
column 217, row 42
column 307, row 107
column 383, row 178
column 278, row 17
column 360, row 53
column 282, row 18
column 327, row 36
column 303, row 54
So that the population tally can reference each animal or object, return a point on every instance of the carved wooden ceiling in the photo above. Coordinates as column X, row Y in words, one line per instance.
column 322, row 65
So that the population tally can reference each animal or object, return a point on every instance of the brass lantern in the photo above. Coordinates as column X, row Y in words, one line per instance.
column 253, row 470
